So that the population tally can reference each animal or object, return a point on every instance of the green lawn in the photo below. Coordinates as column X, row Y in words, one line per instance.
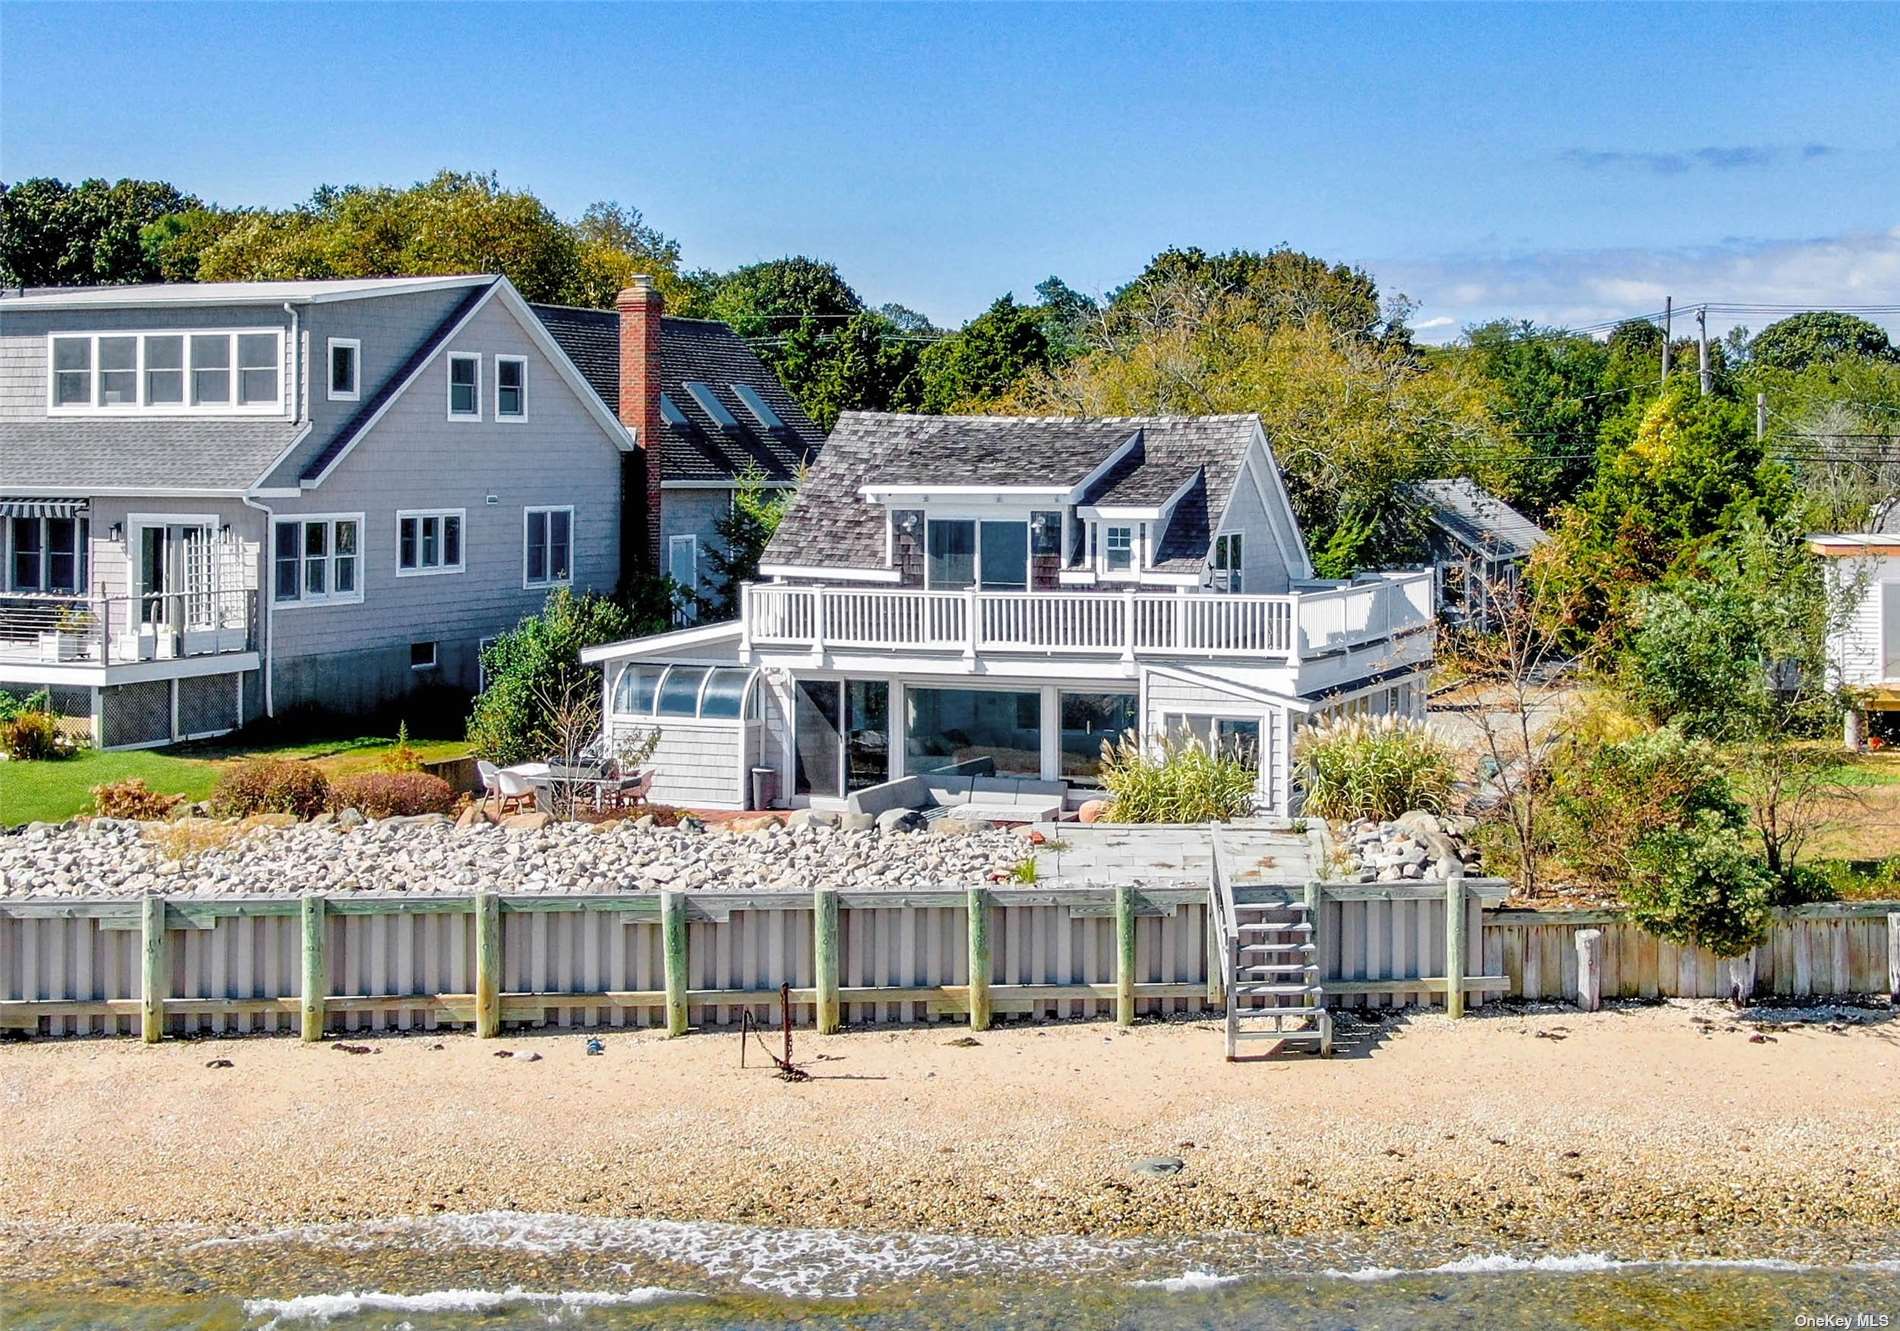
column 55, row 791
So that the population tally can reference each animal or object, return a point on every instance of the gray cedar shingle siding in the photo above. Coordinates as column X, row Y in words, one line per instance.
column 709, row 352
column 831, row 525
column 1478, row 519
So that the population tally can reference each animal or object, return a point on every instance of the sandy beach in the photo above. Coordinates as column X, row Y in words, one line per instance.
column 1662, row 1129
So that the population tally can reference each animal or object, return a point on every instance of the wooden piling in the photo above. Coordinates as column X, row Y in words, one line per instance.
column 1125, row 955
column 979, row 932
column 487, row 965
column 824, row 918
column 1893, row 959
column 1589, row 969
column 673, row 932
column 1455, row 945
column 152, row 973
column 316, row 969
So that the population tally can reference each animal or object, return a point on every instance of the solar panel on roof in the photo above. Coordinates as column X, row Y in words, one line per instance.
column 710, row 404
column 760, row 408
column 674, row 416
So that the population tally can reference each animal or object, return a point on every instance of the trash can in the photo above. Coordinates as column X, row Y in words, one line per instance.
column 764, row 787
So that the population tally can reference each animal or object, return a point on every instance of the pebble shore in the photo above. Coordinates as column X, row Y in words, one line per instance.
column 103, row 858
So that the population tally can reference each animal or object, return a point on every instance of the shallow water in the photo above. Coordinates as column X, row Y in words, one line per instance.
column 512, row 1270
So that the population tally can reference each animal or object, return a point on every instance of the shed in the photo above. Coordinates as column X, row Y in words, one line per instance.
column 1479, row 545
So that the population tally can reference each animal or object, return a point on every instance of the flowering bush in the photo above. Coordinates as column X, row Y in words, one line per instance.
column 392, row 794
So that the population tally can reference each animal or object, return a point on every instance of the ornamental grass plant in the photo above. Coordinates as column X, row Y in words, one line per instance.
column 1174, row 780
column 1373, row 767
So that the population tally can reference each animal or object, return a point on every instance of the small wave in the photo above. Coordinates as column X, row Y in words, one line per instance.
column 327, row 1307
column 1499, row 1263
column 1188, row 1282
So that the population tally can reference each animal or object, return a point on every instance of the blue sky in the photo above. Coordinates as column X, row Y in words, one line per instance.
column 1558, row 163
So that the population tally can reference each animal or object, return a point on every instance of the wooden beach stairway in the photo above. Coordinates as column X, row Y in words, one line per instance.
column 1271, row 953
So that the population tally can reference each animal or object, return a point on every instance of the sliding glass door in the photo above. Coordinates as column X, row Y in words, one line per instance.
column 840, row 736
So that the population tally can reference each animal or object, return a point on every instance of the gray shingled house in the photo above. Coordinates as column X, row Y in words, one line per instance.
column 1479, row 544
column 1005, row 593
column 224, row 500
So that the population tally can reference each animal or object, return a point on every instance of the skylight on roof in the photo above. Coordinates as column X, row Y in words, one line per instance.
column 674, row 416
column 760, row 408
column 710, row 404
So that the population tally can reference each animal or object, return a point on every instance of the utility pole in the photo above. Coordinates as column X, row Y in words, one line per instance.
column 1761, row 417
column 1702, row 348
column 1668, row 304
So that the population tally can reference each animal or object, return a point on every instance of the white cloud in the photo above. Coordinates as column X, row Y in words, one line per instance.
column 1580, row 287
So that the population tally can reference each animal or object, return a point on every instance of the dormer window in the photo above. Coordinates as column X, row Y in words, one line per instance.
column 170, row 373
column 1118, row 548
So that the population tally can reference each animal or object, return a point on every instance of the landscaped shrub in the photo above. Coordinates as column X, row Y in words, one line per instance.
column 270, row 785
column 1174, row 781
column 132, row 798
column 1373, row 767
column 11, row 705
column 402, row 755
column 392, row 794
column 32, row 736
column 533, row 664
column 1700, row 885
column 1607, row 798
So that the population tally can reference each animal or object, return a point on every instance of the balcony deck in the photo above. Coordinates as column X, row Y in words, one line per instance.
column 1299, row 626
column 58, row 636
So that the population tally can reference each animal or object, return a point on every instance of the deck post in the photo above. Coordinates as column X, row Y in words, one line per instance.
column 487, row 965
column 824, row 931
column 1124, row 955
column 673, row 930
column 152, row 972
column 1128, row 624
column 979, row 959
column 1455, row 945
column 1589, row 969
column 1893, row 959
column 316, row 971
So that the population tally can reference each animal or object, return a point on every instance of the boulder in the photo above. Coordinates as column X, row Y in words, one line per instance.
column 857, row 822
column 528, row 822
column 812, row 818
column 900, row 820
column 754, row 822
column 1419, row 823
column 962, row 826
column 350, row 818
column 1092, row 811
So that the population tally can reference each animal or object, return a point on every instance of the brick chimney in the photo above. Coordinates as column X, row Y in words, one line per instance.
column 641, row 308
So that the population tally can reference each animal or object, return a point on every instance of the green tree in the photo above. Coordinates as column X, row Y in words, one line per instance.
column 744, row 531
column 1279, row 286
column 1547, row 387
column 536, row 661
column 1067, row 318
column 985, row 358
column 55, row 234
column 175, row 243
column 1800, row 340
column 615, row 243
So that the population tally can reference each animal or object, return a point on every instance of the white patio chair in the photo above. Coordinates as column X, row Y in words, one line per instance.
column 513, row 787
column 491, row 781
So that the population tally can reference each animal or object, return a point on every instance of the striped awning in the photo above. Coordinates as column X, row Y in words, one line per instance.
column 11, row 507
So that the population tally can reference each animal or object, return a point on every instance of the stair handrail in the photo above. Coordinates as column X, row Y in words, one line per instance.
column 1221, row 902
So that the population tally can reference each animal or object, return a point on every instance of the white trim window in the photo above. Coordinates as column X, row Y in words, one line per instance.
column 682, row 560
column 429, row 541
column 465, row 386
column 511, row 388
column 238, row 372
column 317, row 560
column 1118, row 548
column 344, row 369
column 45, row 555
column 547, row 557
column 1227, row 562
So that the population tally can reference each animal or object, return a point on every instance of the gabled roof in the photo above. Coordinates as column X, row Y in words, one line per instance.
column 226, row 293
column 1478, row 519
column 832, row 525
column 702, row 351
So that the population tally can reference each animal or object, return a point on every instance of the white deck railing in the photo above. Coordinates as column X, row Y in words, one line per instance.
column 1301, row 624
column 117, row 630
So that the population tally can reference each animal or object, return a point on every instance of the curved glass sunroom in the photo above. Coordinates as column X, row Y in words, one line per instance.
column 686, row 692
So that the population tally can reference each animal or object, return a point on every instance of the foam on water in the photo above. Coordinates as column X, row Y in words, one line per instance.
column 1500, row 1263
column 1187, row 1282
column 327, row 1307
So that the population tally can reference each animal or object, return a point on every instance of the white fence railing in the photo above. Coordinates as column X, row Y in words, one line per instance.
column 1129, row 624
column 116, row 630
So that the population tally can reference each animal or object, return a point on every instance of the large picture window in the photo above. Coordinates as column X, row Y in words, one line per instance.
column 238, row 372
column 1239, row 736
column 840, row 736
column 1089, row 720
column 949, row 726
column 44, row 555
column 316, row 561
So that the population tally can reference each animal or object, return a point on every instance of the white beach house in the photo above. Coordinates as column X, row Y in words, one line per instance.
column 1007, row 592
column 1864, row 650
